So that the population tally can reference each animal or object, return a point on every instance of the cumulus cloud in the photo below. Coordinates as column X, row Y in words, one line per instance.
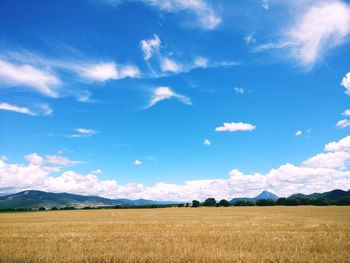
column 342, row 145
column 59, row 160
column 323, row 26
column 346, row 83
column 165, row 93
column 150, row 46
column 322, row 172
column 10, row 107
column 207, row 18
column 298, row 133
column 107, row 71
column 56, row 160
column 34, row 158
column 346, row 112
column 343, row 123
column 235, row 126
column 28, row 76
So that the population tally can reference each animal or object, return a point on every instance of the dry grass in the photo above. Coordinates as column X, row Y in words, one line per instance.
column 234, row 234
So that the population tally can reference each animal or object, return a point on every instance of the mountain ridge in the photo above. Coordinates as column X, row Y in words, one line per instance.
column 36, row 199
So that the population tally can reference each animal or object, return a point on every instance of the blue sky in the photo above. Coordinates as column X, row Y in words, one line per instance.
column 155, row 99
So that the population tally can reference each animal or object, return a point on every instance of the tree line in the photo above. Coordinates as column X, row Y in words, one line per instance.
column 289, row 201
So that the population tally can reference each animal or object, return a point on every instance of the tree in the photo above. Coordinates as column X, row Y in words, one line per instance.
column 265, row 202
column 187, row 205
column 224, row 202
column 54, row 208
column 42, row 208
column 210, row 202
column 291, row 201
column 195, row 203
column 281, row 201
column 320, row 201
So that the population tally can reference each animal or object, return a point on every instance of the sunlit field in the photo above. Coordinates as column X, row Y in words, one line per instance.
column 233, row 234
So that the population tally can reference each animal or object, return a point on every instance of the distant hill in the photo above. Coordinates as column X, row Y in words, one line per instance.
column 262, row 195
column 36, row 199
column 332, row 195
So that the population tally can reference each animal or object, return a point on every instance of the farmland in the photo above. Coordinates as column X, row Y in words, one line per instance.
column 232, row 234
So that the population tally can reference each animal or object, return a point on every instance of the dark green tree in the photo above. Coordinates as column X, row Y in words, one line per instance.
column 195, row 203
column 224, row 202
column 210, row 202
column 42, row 208
column 265, row 202
column 281, row 201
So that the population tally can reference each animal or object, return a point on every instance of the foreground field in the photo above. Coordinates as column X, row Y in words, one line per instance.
column 234, row 234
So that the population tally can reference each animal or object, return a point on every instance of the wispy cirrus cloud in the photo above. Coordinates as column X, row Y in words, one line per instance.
column 207, row 18
column 30, row 77
column 82, row 133
column 150, row 46
column 106, row 71
column 165, row 93
column 322, row 26
column 40, row 109
column 15, row 108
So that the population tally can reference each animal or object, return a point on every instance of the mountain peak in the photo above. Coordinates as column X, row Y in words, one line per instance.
column 266, row 195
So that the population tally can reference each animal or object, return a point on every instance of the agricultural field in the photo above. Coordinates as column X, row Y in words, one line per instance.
column 232, row 234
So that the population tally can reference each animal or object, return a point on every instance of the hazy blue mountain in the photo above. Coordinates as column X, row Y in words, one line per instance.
column 262, row 195
column 36, row 199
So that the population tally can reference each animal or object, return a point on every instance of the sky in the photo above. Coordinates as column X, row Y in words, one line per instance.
column 174, row 99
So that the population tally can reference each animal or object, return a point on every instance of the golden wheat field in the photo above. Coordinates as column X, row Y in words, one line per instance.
column 233, row 234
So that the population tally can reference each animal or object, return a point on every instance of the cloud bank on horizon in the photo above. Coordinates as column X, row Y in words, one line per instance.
column 164, row 95
column 323, row 172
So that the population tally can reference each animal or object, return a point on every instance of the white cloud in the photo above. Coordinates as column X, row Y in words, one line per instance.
column 200, row 62
column 27, row 76
column 207, row 142
column 137, row 162
column 322, row 172
column 59, row 160
column 164, row 93
column 346, row 112
column 346, row 83
column 298, row 133
column 107, row 71
column 4, row 158
column 170, row 65
column 34, row 158
column 249, row 39
column 343, row 123
column 240, row 90
column 321, row 27
column 235, row 126
column 10, row 107
column 342, row 145
column 150, row 46
column 82, row 132
column 207, row 18
column 331, row 160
